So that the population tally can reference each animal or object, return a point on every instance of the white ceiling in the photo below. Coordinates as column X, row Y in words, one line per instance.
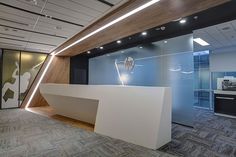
column 218, row 36
column 24, row 30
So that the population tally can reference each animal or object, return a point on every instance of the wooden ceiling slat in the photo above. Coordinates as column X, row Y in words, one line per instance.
column 156, row 15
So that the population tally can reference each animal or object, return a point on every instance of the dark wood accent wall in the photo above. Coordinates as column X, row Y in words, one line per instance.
column 156, row 15
column 58, row 72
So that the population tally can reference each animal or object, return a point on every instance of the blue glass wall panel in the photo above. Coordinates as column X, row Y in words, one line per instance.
column 202, row 87
column 163, row 63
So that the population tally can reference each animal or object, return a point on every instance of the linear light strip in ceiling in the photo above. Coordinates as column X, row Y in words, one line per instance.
column 201, row 42
column 87, row 36
column 109, row 24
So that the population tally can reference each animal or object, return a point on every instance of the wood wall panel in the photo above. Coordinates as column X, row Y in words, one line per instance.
column 156, row 15
column 58, row 72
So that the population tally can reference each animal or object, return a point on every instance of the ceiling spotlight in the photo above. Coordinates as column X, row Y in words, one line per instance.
column 165, row 41
column 182, row 21
column 144, row 33
column 101, row 48
column 118, row 42
column 163, row 28
column 88, row 52
column 201, row 42
column 140, row 47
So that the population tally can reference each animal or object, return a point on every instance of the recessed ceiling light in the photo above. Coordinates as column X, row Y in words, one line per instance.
column 144, row 33
column 140, row 47
column 195, row 17
column 88, row 52
column 183, row 21
column 118, row 42
column 163, row 28
column 101, row 48
column 165, row 41
column 201, row 42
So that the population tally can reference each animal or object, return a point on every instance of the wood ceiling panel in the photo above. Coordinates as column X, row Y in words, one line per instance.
column 78, row 8
column 47, row 30
column 59, row 12
column 92, row 4
column 5, row 43
column 31, row 4
column 40, row 47
column 156, row 15
column 13, row 12
column 24, row 4
column 62, row 16
column 50, row 40
column 52, row 24
column 113, row 1
column 13, row 33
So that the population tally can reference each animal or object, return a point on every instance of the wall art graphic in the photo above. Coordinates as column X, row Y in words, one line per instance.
column 19, row 72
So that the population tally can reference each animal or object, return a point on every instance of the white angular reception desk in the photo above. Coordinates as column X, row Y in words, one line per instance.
column 136, row 114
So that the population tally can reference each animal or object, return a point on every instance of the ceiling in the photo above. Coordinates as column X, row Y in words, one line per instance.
column 153, row 16
column 43, row 25
column 218, row 36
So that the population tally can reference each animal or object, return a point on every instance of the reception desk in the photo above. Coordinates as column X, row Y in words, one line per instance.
column 139, row 115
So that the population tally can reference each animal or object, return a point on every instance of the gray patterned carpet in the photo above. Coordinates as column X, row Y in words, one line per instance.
column 24, row 134
column 212, row 136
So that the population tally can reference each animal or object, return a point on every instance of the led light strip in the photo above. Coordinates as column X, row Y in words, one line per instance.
column 87, row 36
column 40, row 80
column 109, row 24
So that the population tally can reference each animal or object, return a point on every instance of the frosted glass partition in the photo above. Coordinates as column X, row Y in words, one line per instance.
column 164, row 63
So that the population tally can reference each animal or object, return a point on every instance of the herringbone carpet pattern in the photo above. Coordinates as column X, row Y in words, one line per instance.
column 24, row 134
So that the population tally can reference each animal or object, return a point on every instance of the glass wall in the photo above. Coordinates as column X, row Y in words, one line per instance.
column 18, row 72
column 10, row 79
column 208, row 67
column 30, row 66
column 202, row 77
column 164, row 63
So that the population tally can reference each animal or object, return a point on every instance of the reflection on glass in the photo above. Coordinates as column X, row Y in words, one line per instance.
column 155, row 64
column 202, row 90
column 10, row 79
column 30, row 65
column 19, row 72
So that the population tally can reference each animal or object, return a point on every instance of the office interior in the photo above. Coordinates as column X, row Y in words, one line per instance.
column 88, row 78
